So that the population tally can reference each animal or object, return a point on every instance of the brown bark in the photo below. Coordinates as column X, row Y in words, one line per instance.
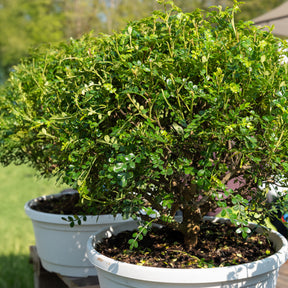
column 190, row 227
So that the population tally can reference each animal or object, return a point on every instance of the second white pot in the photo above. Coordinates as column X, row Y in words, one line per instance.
column 62, row 249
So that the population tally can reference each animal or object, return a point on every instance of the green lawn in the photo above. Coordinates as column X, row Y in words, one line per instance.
column 17, row 186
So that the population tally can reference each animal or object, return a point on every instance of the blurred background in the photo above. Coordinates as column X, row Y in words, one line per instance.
column 24, row 25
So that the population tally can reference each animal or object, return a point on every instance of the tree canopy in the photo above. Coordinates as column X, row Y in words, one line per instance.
column 158, row 117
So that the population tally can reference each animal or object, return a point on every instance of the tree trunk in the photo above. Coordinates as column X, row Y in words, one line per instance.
column 190, row 227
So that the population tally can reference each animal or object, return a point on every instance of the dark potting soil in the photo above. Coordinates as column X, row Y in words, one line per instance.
column 218, row 245
column 67, row 204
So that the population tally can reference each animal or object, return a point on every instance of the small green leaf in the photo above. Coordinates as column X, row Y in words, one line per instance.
column 123, row 181
column 263, row 58
column 204, row 59
column 132, row 165
column 130, row 30
column 201, row 173
column 169, row 171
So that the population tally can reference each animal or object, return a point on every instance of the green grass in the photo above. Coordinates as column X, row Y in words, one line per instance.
column 17, row 186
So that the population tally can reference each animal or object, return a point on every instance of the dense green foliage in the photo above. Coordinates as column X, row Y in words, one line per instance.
column 157, row 117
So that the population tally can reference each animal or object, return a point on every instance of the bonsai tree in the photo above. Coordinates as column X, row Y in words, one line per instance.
column 157, row 118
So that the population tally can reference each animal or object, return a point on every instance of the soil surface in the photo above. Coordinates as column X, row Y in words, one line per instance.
column 67, row 204
column 219, row 245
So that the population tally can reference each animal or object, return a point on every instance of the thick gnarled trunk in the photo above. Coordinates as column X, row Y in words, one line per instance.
column 190, row 227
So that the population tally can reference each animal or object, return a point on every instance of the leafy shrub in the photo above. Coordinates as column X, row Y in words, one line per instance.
column 158, row 118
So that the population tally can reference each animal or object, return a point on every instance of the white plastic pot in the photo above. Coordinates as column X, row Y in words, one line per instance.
column 115, row 274
column 276, row 189
column 62, row 249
